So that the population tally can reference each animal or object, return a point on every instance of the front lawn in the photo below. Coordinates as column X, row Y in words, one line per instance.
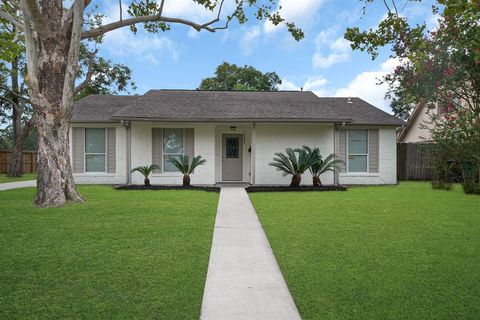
column 24, row 177
column 393, row 252
column 120, row 255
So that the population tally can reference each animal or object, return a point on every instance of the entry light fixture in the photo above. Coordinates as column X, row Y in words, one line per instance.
column 233, row 128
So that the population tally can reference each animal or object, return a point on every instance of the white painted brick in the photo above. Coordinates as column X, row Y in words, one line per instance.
column 387, row 173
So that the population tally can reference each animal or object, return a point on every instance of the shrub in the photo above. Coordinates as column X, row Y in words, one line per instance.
column 294, row 162
column 186, row 167
column 146, row 170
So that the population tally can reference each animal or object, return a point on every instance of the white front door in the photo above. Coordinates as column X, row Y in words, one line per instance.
column 232, row 157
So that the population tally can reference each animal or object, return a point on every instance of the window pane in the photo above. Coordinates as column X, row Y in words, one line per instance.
column 173, row 141
column 94, row 140
column 357, row 141
column 231, row 148
column 167, row 166
column 357, row 163
column 94, row 163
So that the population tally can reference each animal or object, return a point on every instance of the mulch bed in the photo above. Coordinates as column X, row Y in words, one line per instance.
column 166, row 187
column 300, row 189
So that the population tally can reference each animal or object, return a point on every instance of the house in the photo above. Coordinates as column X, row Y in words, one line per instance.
column 417, row 129
column 237, row 132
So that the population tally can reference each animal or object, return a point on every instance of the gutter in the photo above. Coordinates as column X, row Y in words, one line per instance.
column 153, row 119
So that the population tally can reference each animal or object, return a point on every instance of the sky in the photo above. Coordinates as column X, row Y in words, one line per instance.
column 322, row 62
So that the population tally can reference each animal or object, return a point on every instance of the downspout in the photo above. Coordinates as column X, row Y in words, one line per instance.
column 335, row 135
column 252, row 154
column 128, row 148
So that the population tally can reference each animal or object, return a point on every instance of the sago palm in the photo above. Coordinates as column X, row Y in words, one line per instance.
column 186, row 167
column 146, row 170
column 322, row 165
column 294, row 162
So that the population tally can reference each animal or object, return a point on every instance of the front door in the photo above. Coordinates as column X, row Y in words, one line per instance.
column 232, row 158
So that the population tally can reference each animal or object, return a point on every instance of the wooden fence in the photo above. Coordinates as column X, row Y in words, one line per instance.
column 413, row 161
column 29, row 161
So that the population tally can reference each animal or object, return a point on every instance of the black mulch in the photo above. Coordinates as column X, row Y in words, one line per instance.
column 287, row 188
column 165, row 187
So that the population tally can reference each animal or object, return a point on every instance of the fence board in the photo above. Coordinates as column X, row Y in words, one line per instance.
column 29, row 161
column 413, row 161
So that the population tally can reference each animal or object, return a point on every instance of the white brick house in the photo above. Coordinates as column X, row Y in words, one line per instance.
column 236, row 132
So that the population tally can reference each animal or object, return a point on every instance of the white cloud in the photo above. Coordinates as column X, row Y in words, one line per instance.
column 314, row 83
column 365, row 85
column 300, row 12
column 330, row 50
column 144, row 47
column 249, row 39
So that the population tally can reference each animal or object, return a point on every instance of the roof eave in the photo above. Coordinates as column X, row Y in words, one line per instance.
column 153, row 119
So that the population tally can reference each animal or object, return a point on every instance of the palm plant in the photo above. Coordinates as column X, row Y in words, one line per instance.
column 186, row 167
column 322, row 165
column 146, row 170
column 294, row 162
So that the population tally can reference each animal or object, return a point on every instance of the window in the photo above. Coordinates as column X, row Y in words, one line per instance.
column 357, row 150
column 95, row 150
column 173, row 146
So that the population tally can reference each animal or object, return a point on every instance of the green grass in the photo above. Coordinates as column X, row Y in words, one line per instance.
column 24, row 177
column 120, row 255
column 393, row 252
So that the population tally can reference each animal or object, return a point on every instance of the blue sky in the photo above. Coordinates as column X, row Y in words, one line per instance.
column 322, row 62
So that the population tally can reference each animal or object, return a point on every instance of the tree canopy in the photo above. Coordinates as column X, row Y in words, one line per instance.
column 230, row 77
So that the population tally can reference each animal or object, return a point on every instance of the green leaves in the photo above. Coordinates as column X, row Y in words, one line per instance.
column 145, row 170
column 184, row 165
column 294, row 161
column 230, row 77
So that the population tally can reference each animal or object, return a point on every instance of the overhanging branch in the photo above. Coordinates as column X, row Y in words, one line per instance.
column 92, row 33
column 7, row 16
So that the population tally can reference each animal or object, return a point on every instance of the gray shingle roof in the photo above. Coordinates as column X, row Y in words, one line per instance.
column 100, row 108
column 193, row 105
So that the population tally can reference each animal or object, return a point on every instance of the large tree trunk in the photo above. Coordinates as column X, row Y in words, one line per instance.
column 52, row 50
column 55, row 184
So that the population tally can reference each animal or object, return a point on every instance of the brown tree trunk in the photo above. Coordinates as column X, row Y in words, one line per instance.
column 296, row 179
column 55, row 185
column 316, row 181
column 186, row 180
column 20, row 133
column 52, row 50
column 15, row 165
column 146, row 181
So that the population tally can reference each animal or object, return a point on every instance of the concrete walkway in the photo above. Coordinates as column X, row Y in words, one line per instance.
column 18, row 184
column 243, row 280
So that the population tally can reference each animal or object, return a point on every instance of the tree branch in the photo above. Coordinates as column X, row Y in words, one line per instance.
column 37, row 18
column 19, row 96
column 31, row 50
column 7, row 16
column 92, row 33
column 89, row 75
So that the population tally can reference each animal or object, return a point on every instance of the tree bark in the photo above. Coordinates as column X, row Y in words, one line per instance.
column 186, row 180
column 20, row 132
column 52, row 61
column 316, row 181
column 146, row 181
column 296, row 179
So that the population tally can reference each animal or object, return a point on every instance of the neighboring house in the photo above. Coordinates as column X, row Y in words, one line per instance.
column 237, row 132
column 417, row 128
